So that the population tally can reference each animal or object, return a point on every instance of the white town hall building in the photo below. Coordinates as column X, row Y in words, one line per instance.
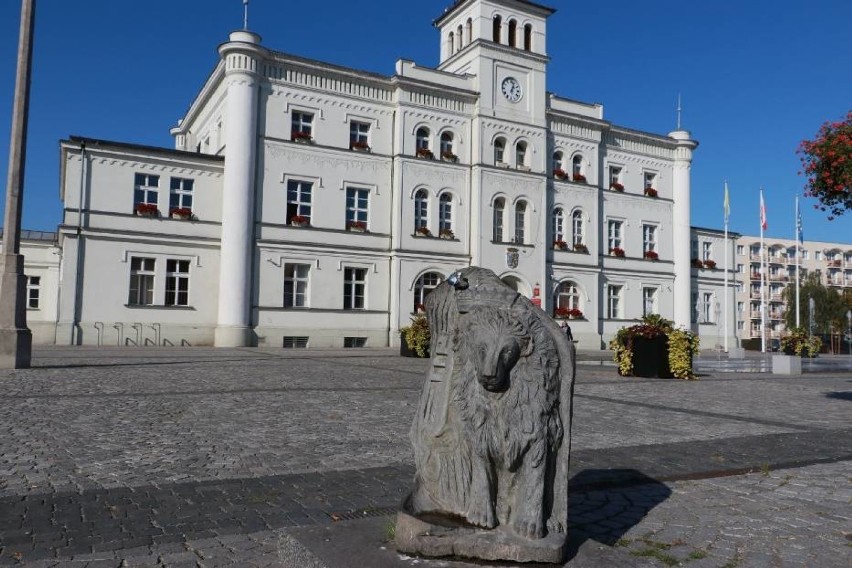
column 311, row 204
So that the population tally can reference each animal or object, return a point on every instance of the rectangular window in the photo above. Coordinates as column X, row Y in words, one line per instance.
column 613, row 301
column 706, row 251
column 740, row 250
column 33, row 291
column 805, row 254
column 296, row 285
column 499, row 211
column 520, row 222
column 740, row 307
column 299, row 202
column 354, row 342
column 145, row 189
column 614, row 234
column 295, row 342
column 354, row 285
column 445, row 213
column 356, row 206
column 649, row 301
column 740, row 287
column 141, row 281
column 740, row 325
column 707, row 307
column 180, row 193
column 818, row 255
column 359, row 135
column 649, row 238
column 177, row 282
column 650, row 178
column 741, row 268
column 302, row 126
column 614, row 175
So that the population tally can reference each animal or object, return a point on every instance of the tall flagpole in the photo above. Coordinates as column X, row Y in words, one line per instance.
column 727, row 244
column 763, row 275
column 799, row 245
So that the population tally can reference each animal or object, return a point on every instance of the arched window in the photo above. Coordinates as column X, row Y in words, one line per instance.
column 558, row 224
column 421, row 210
column 460, row 38
column 567, row 296
column 520, row 222
column 498, row 24
column 498, row 221
column 422, row 141
column 447, row 145
column 521, row 153
column 577, row 168
column 423, row 287
column 558, row 164
column 528, row 37
column 445, row 214
column 499, row 150
column 469, row 31
column 513, row 32
column 577, row 228
column 451, row 43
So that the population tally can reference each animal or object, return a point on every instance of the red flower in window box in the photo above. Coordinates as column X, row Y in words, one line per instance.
column 181, row 212
column 146, row 210
column 616, row 251
column 651, row 255
column 572, row 313
column 448, row 156
column 616, row 186
column 356, row 226
column 446, row 234
column 359, row 145
column 696, row 263
column 580, row 247
column 580, row 178
column 300, row 136
column 424, row 231
column 560, row 244
column 650, row 192
column 559, row 173
column 711, row 264
column 425, row 153
column 299, row 221
column 419, row 308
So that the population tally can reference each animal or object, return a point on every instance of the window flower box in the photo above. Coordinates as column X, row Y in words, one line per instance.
column 356, row 226
column 615, row 186
column 180, row 213
column 650, row 192
column 651, row 255
column 447, row 234
column 579, row 178
column 359, row 146
column 617, row 251
column 299, row 221
column 146, row 210
column 425, row 153
column 696, row 263
column 449, row 157
column 580, row 247
column 560, row 244
column 301, row 137
column 559, row 173
column 422, row 232
column 570, row 313
column 711, row 264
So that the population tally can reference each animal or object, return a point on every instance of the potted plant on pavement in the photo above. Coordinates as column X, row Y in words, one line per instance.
column 415, row 337
column 654, row 348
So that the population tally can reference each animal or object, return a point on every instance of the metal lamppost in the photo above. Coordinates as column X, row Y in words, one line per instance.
column 15, row 338
column 849, row 332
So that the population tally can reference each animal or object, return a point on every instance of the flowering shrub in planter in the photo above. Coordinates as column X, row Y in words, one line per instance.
column 448, row 156
column 423, row 231
column 580, row 178
column 650, row 192
column 696, row 263
column 560, row 244
column 299, row 136
column 651, row 255
column 356, row 226
column 559, row 173
column 616, row 186
column 180, row 212
column 798, row 343
column 711, row 264
column 146, row 210
column 446, row 234
column 571, row 313
column 616, row 251
column 416, row 337
column 654, row 348
column 359, row 145
column 425, row 153
column 580, row 247
column 299, row 221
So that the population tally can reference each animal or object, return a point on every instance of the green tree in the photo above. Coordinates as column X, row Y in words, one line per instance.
column 827, row 163
column 829, row 305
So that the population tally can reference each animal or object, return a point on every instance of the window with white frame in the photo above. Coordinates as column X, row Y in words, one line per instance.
column 577, row 167
column 354, row 288
column 615, row 177
column 423, row 287
column 498, row 221
column 299, row 198
column 359, row 135
column 707, row 307
column 422, row 139
column 740, row 287
column 614, row 234
column 567, row 296
column 578, row 230
column 521, row 154
column 33, row 292
column 805, row 254
column 649, row 300
column 558, row 162
column 141, row 281
column 649, row 238
column 177, row 282
column 302, row 125
column 818, row 255
column 520, row 222
column 740, row 250
column 613, row 301
column 499, row 150
column 558, row 224
column 741, row 268
column 357, row 200
column 296, row 285
column 650, row 179
column 421, row 210
column 706, row 250
column 180, row 193
column 740, row 307
column 145, row 189
column 447, row 145
column 445, row 213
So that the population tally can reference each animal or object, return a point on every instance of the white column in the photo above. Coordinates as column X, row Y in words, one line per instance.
column 242, row 55
column 681, row 232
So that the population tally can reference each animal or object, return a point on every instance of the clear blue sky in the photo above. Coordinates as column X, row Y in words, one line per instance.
column 756, row 77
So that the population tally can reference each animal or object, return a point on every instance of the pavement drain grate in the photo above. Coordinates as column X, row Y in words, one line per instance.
column 362, row 513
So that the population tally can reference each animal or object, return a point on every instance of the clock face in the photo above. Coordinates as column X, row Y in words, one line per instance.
column 512, row 89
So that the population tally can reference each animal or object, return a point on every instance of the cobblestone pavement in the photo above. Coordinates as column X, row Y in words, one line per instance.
column 248, row 457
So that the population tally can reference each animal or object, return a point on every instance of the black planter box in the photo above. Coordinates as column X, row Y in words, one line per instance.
column 404, row 350
column 651, row 357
